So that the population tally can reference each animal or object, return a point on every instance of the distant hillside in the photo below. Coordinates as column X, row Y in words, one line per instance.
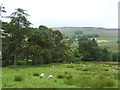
column 107, row 37
column 71, row 30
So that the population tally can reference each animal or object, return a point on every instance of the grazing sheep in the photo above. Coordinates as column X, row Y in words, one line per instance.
column 71, row 63
column 113, row 69
column 53, row 66
column 42, row 75
column 50, row 76
column 83, row 65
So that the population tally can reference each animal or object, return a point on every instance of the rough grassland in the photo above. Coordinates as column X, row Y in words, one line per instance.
column 93, row 75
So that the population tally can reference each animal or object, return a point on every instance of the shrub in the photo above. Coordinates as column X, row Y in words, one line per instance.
column 18, row 78
column 60, row 76
column 35, row 74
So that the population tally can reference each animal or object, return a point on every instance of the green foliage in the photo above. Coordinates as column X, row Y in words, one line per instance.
column 35, row 74
column 115, row 56
column 92, row 52
column 18, row 78
column 41, row 45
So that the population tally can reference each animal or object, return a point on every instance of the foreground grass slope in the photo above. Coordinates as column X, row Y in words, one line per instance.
column 93, row 75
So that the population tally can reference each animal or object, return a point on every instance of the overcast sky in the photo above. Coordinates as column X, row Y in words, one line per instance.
column 67, row 13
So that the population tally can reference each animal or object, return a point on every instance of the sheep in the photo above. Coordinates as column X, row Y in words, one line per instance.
column 83, row 65
column 42, row 75
column 71, row 63
column 53, row 66
column 113, row 69
column 50, row 76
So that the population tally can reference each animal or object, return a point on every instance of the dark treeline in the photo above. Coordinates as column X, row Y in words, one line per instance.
column 22, row 43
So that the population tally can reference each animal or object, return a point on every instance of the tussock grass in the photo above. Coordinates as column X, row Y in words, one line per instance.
column 35, row 74
column 18, row 78
column 62, row 77
column 70, row 66
column 100, row 83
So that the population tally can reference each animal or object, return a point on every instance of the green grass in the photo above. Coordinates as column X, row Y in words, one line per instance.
column 63, row 77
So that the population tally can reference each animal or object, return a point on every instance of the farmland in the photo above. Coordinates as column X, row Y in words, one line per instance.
column 109, row 35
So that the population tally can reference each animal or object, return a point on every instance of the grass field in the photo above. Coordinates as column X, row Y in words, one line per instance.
column 93, row 75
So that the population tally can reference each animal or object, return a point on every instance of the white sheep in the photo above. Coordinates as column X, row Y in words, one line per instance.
column 53, row 66
column 83, row 65
column 42, row 75
column 71, row 63
column 50, row 76
column 113, row 69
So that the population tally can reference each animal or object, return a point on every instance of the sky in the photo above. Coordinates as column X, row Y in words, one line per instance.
column 67, row 13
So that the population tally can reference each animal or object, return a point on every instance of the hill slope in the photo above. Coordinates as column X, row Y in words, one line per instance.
column 107, row 37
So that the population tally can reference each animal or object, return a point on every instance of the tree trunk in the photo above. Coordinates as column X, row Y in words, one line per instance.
column 33, row 62
column 27, row 61
column 15, row 60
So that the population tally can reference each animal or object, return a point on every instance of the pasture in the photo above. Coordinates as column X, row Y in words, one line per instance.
column 83, row 75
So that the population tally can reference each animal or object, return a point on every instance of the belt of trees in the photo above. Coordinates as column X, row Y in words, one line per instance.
column 22, row 43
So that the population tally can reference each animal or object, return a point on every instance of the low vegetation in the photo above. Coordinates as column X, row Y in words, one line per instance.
column 96, row 76
column 18, row 78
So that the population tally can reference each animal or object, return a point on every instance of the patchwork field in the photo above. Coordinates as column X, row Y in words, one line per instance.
column 83, row 75
column 107, row 37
